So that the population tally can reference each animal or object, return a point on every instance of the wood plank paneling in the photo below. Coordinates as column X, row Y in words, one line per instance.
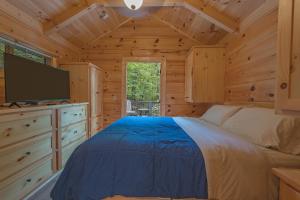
column 76, row 23
column 187, row 23
column 141, row 38
column 251, row 62
column 23, row 28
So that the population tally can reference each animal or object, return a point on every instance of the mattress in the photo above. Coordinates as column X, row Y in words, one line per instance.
column 236, row 169
column 135, row 156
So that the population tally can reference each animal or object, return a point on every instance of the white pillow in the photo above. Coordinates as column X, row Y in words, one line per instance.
column 218, row 114
column 263, row 127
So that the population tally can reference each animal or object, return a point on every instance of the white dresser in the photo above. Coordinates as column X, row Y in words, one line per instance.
column 35, row 143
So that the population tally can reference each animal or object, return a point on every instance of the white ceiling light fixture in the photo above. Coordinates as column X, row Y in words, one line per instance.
column 133, row 4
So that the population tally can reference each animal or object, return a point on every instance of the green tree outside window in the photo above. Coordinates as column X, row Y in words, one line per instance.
column 143, row 81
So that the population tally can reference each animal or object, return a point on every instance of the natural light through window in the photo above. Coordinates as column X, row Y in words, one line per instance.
column 143, row 89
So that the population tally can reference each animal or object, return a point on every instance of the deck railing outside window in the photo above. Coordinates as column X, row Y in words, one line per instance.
column 143, row 108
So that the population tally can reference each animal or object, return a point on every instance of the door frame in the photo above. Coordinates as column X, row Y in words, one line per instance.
column 163, row 78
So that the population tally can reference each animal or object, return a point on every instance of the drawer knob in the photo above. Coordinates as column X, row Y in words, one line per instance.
column 28, row 180
column 23, row 157
column 283, row 86
column 75, row 114
column 75, row 131
column 27, row 125
column 7, row 132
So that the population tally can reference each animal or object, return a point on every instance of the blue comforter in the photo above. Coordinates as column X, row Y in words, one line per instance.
column 135, row 157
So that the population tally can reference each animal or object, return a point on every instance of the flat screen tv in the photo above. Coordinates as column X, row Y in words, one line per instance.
column 29, row 81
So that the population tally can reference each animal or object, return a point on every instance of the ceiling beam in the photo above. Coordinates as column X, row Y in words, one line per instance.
column 10, row 10
column 175, row 28
column 108, row 32
column 213, row 15
column 67, row 17
column 266, row 8
column 146, row 3
column 198, row 6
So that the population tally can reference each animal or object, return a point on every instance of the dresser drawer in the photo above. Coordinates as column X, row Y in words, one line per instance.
column 71, row 115
column 68, row 150
column 18, row 127
column 288, row 193
column 96, row 125
column 24, row 183
column 17, row 157
column 72, row 133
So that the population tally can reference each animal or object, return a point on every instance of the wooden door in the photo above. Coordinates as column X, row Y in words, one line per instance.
column 189, row 77
column 200, row 71
column 96, row 100
column 99, row 93
column 215, row 71
column 288, row 80
column 93, row 92
column 96, row 92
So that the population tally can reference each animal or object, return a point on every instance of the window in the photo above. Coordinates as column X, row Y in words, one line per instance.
column 143, row 88
column 21, row 51
column 25, row 53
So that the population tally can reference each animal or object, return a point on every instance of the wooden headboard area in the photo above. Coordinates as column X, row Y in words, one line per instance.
column 251, row 60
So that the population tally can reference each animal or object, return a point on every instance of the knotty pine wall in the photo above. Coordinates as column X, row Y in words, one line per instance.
column 251, row 62
column 143, row 38
column 18, row 26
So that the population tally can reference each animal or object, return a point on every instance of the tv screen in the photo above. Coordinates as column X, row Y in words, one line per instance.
column 26, row 80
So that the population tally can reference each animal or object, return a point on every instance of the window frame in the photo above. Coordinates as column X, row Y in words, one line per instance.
column 9, row 47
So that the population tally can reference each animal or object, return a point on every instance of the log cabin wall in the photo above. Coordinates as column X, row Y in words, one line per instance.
column 105, row 34
column 251, row 62
column 25, row 29
column 143, row 38
column 22, row 28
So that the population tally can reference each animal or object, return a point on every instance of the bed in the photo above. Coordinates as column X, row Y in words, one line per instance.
column 170, row 158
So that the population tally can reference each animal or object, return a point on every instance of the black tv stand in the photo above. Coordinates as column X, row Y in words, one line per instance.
column 57, row 102
column 14, row 104
column 22, row 104
column 64, row 101
column 31, row 103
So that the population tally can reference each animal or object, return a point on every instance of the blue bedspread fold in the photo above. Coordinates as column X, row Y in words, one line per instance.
column 135, row 157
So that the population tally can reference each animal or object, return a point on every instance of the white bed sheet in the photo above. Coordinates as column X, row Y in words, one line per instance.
column 236, row 169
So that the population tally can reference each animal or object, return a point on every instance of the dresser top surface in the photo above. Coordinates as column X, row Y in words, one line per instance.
column 6, row 110
column 289, row 176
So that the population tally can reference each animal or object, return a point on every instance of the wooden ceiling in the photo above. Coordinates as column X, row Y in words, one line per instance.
column 190, row 24
column 83, row 22
column 143, row 34
column 238, row 9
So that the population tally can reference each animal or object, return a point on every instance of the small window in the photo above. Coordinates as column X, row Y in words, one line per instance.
column 2, row 50
column 25, row 53
column 22, row 51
